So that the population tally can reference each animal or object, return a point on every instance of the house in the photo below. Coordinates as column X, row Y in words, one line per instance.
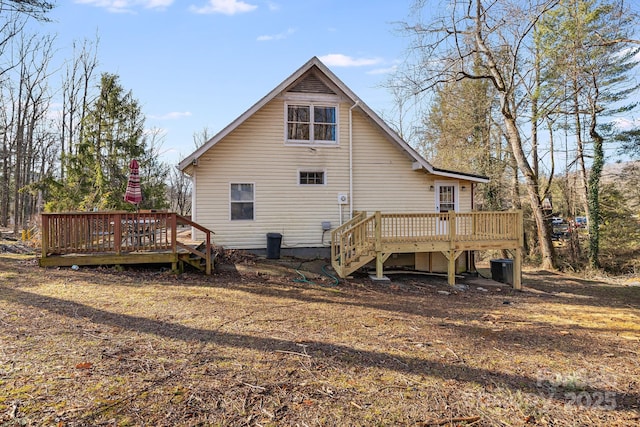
column 303, row 159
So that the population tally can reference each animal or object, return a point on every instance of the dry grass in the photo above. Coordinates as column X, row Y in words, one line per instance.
column 253, row 347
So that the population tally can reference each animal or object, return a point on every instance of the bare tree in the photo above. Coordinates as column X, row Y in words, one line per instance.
column 13, row 17
column 37, row 9
column 200, row 138
column 482, row 40
column 76, row 86
column 6, row 123
column 179, row 192
column 30, row 103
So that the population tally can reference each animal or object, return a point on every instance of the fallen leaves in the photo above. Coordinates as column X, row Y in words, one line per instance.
column 121, row 347
column 84, row 365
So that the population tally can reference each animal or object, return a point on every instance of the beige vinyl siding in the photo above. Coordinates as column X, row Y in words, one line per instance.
column 384, row 179
column 255, row 153
column 465, row 196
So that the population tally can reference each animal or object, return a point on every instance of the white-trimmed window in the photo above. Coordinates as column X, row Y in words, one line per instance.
column 241, row 201
column 311, row 124
column 314, row 177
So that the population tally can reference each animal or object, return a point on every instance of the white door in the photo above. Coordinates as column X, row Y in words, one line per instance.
column 446, row 200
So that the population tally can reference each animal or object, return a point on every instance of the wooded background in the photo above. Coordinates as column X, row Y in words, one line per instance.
column 531, row 93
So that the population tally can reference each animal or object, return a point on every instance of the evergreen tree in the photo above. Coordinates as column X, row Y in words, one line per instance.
column 112, row 134
column 583, row 62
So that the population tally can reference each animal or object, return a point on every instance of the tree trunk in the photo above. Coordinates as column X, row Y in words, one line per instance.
column 594, row 188
column 584, row 185
column 531, row 185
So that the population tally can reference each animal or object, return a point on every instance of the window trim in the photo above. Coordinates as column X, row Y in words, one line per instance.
column 253, row 200
column 312, row 105
column 311, row 170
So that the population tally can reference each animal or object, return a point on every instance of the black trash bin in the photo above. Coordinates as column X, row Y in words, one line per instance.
column 273, row 245
column 502, row 270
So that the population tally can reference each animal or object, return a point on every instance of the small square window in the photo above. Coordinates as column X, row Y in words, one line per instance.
column 242, row 201
column 311, row 178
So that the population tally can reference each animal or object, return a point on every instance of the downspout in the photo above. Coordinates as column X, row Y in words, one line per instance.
column 351, row 159
column 194, row 216
column 471, row 259
column 473, row 189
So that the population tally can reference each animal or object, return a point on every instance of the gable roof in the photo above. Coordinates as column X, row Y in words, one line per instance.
column 315, row 64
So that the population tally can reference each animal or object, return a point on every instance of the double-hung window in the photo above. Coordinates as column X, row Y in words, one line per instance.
column 312, row 124
column 242, row 201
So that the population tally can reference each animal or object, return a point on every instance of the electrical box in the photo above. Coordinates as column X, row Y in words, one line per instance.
column 343, row 198
column 326, row 225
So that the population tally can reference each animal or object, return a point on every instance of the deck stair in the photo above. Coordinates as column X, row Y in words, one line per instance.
column 198, row 258
column 365, row 239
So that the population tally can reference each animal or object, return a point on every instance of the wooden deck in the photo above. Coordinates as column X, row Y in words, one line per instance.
column 376, row 237
column 116, row 238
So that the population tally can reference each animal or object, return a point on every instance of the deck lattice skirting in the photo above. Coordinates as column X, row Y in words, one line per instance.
column 114, row 238
column 366, row 238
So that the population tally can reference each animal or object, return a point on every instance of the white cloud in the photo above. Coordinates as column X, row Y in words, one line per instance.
column 388, row 70
column 227, row 7
column 280, row 36
column 273, row 6
column 127, row 6
column 174, row 115
column 340, row 60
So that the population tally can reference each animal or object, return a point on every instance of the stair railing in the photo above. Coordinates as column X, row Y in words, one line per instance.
column 179, row 219
column 352, row 240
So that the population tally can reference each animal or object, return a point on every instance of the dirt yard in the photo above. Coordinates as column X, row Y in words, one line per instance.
column 260, row 343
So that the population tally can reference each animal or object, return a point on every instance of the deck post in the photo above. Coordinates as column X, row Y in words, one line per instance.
column 173, row 225
column 451, row 268
column 517, row 269
column 379, row 266
column 117, row 233
column 517, row 262
column 378, row 246
column 208, row 255
column 45, row 235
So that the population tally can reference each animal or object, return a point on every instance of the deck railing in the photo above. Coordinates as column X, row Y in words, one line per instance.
column 355, row 241
column 116, row 233
column 450, row 226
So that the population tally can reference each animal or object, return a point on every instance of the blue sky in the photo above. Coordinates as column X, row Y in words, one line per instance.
column 201, row 63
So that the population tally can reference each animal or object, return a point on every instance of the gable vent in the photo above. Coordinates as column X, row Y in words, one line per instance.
column 311, row 84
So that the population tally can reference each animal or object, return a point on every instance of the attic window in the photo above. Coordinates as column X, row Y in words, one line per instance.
column 312, row 124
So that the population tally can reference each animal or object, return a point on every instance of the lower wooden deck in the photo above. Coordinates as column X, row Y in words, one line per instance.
column 177, row 260
column 121, row 238
column 145, row 257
